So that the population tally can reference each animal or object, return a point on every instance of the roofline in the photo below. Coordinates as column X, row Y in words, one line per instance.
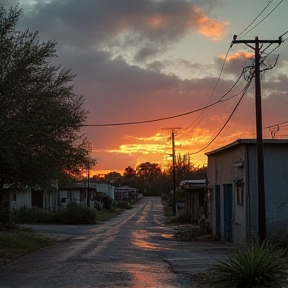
column 247, row 141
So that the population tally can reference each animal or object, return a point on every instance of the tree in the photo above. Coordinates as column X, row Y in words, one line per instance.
column 129, row 171
column 40, row 115
column 148, row 169
column 147, row 174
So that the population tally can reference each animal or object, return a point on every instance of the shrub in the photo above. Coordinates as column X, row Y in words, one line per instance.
column 252, row 266
column 32, row 215
column 107, row 202
column 72, row 214
column 76, row 214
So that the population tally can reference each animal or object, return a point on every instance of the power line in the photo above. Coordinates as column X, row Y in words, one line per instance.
column 278, row 124
column 263, row 18
column 214, row 138
column 160, row 119
column 255, row 18
column 230, row 89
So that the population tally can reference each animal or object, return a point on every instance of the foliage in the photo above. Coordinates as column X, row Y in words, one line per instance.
column 252, row 266
column 33, row 215
column 105, row 215
column 73, row 214
column 16, row 242
column 113, row 178
column 107, row 202
column 76, row 214
column 129, row 171
column 40, row 115
column 147, row 170
column 122, row 205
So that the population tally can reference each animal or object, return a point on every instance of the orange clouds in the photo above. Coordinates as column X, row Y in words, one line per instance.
column 156, row 21
column 209, row 27
column 238, row 55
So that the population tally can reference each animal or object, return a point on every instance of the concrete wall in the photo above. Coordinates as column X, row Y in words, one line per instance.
column 276, row 191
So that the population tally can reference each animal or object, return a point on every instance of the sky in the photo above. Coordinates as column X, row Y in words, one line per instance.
column 152, row 68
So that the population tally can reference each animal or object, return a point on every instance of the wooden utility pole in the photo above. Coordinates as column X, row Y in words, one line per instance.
column 260, row 154
column 173, row 167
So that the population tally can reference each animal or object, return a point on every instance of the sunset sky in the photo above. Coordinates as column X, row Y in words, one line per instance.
column 149, row 64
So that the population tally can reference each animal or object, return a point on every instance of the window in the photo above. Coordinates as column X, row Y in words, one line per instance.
column 240, row 195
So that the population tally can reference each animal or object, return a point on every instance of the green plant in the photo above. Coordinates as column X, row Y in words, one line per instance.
column 254, row 265
column 107, row 202
column 76, row 214
column 123, row 205
column 16, row 241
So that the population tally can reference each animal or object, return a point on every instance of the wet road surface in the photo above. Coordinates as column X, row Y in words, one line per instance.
column 127, row 251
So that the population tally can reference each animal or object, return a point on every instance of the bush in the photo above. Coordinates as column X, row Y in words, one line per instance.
column 73, row 214
column 76, row 214
column 32, row 215
column 252, row 266
column 107, row 202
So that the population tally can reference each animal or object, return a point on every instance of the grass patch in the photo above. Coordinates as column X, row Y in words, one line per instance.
column 16, row 242
column 105, row 215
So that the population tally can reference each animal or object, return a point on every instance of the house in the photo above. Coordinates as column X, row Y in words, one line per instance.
column 125, row 193
column 79, row 193
column 28, row 197
column 103, row 187
column 232, row 174
column 197, row 201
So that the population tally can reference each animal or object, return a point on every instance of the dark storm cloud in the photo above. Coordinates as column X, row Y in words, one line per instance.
column 101, row 22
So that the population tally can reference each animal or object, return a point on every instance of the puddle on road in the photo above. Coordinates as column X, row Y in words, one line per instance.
column 150, row 276
column 142, row 239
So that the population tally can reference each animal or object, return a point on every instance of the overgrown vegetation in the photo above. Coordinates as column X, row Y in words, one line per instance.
column 105, row 215
column 16, row 242
column 254, row 265
column 73, row 214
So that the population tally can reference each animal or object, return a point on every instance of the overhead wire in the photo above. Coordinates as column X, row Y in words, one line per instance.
column 225, row 124
column 239, row 35
column 213, row 92
column 225, row 94
column 263, row 18
column 163, row 118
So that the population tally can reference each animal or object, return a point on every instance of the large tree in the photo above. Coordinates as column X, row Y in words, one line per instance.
column 40, row 115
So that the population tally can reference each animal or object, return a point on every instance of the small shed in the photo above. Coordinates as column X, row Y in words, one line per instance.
column 197, row 200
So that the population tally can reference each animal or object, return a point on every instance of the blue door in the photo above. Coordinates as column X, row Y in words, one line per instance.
column 228, row 212
column 217, row 211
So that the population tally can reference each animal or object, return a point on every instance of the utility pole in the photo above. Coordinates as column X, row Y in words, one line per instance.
column 173, row 167
column 260, row 154
column 89, row 149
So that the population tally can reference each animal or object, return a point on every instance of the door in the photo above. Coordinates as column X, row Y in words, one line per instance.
column 37, row 198
column 217, row 211
column 228, row 212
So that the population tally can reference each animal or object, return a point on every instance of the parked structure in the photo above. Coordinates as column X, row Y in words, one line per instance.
column 232, row 174
column 197, row 201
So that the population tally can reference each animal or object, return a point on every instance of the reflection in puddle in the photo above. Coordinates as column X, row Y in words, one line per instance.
column 141, row 240
column 144, row 277
column 167, row 236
